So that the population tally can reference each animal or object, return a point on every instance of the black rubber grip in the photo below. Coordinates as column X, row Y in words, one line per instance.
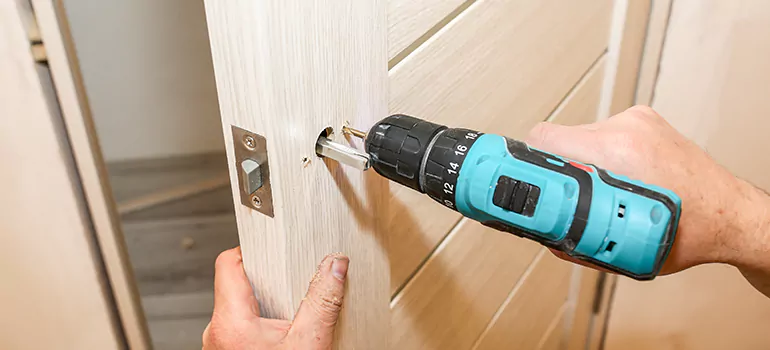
column 397, row 146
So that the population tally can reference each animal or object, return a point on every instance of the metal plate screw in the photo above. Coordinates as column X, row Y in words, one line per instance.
column 249, row 142
column 256, row 201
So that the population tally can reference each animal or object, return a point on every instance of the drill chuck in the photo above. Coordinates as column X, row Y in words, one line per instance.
column 397, row 146
column 421, row 155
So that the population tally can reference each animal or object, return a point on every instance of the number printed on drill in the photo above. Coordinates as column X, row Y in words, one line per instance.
column 454, row 168
column 471, row 136
column 461, row 149
column 449, row 203
column 448, row 188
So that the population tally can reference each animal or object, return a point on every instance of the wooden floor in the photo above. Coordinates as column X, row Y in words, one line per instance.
column 173, row 243
column 704, row 308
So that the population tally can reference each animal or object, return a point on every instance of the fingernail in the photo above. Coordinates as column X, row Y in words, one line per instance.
column 340, row 267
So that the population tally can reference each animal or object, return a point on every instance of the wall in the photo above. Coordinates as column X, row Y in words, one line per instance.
column 147, row 70
column 712, row 86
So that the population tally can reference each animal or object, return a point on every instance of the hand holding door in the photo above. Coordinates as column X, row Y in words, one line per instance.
column 236, row 321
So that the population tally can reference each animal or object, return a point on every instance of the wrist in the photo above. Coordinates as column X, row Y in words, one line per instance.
column 744, row 237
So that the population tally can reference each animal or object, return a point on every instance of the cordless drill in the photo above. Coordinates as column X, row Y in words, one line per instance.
column 591, row 214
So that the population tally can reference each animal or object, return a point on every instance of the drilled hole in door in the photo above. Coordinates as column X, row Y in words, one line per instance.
column 325, row 133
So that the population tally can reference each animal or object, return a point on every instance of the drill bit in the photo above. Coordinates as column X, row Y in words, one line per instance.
column 353, row 132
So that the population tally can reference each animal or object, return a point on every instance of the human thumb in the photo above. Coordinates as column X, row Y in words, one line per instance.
column 318, row 313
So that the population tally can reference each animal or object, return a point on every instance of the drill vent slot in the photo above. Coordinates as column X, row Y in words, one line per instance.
column 621, row 211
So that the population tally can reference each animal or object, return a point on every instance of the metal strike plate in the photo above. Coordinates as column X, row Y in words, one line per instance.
column 253, row 170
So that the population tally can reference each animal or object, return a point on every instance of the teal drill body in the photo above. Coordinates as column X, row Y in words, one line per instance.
column 608, row 220
column 626, row 231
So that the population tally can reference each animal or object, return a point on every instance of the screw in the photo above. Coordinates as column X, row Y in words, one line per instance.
column 250, row 142
column 256, row 201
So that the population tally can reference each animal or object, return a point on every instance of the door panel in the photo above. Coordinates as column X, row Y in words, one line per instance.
column 409, row 21
column 431, row 297
column 453, row 297
column 287, row 70
column 503, row 66
column 521, row 322
column 492, row 67
column 554, row 336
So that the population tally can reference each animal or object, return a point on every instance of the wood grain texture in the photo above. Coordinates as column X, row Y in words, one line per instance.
column 525, row 316
column 53, row 294
column 624, row 55
column 456, row 293
column 554, row 336
column 417, row 225
column 419, row 306
column 532, row 55
column 91, row 170
column 582, row 103
column 598, row 332
column 706, row 308
column 515, row 76
column 409, row 20
column 580, row 315
column 287, row 69
column 653, row 47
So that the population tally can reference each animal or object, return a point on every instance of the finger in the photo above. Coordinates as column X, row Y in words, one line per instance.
column 564, row 256
column 314, row 323
column 232, row 292
column 205, row 338
column 573, row 142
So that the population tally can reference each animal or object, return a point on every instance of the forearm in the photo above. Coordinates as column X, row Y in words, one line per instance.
column 752, row 231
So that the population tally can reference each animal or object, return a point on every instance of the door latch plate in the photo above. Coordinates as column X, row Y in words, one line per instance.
column 253, row 170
